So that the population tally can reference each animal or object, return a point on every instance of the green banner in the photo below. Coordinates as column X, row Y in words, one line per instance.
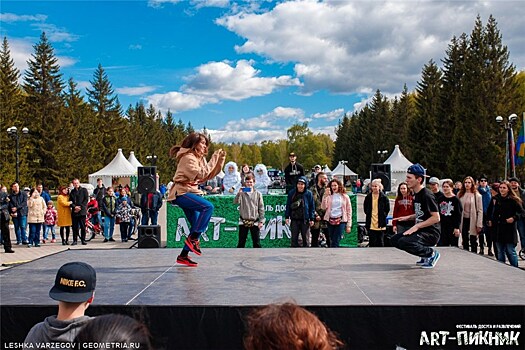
column 224, row 225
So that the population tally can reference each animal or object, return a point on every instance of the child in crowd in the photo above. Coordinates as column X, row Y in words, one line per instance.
column 251, row 212
column 50, row 220
column 93, row 209
column 124, row 214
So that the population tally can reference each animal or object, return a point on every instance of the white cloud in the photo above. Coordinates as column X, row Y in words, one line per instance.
column 135, row 47
column 211, row 3
column 177, row 102
column 159, row 3
column 216, row 81
column 224, row 81
column 247, row 136
column 329, row 116
column 135, row 91
column 11, row 17
column 55, row 34
column 358, row 46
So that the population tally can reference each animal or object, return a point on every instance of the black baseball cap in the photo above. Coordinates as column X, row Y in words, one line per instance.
column 75, row 283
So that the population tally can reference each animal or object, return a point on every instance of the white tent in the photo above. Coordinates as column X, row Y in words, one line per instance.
column 327, row 170
column 342, row 170
column 133, row 160
column 398, row 167
column 118, row 167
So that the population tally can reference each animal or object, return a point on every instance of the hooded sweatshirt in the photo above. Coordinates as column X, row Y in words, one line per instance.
column 231, row 179
column 262, row 180
column 52, row 330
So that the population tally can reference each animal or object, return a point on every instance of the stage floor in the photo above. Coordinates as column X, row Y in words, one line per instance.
column 249, row 277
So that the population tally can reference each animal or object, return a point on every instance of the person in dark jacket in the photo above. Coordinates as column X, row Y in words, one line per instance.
column 376, row 207
column 506, row 212
column 292, row 172
column 18, row 211
column 4, row 221
column 79, row 198
column 109, row 210
column 150, row 204
column 300, row 212
column 450, row 213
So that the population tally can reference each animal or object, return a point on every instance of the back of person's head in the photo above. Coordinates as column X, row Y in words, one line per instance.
column 287, row 326
column 113, row 328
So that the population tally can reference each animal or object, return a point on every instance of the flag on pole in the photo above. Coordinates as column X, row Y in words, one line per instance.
column 520, row 143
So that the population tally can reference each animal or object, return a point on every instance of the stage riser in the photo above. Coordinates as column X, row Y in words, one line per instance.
column 361, row 327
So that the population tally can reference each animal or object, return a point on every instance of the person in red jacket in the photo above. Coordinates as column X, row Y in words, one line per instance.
column 403, row 206
column 93, row 209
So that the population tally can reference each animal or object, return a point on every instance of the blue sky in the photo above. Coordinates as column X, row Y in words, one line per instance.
column 248, row 70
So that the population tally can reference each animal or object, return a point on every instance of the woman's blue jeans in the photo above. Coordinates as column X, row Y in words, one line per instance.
column 198, row 211
column 508, row 249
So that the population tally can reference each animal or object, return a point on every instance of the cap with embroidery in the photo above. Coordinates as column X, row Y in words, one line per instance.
column 74, row 283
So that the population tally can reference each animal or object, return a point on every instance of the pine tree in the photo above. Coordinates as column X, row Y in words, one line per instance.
column 423, row 126
column 43, row 86
column 108, row 114
column 10, row 106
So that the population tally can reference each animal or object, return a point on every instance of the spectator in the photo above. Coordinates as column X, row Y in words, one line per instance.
column 64, row 220
column 450, row 213
column 403, row 206
column 212, row 186
column 313, row 176
column 79, row 199
column 109, row 209
column 35, row 217
column 287, row 326
column 491, row 229
column 118, row 329
column 99, row 192
column 515, row 185
column 74, row 290
column 508, row 208
column 163, row 189
column 50, row 220
column 4, row 220
column 320, row 228
column 338, row 211
column 433, row 183
column 300, row 212
column 18, row 212
column 262, row 180
column 245, row 170
column 124, row 217
column 44, row 193
column 457, row 187
column 376, row 207
column 251, row 212
column 125, row 195
column 484, row 190
column 292, row 172
column 150, row 204
column 231, row 182
column 472, row 218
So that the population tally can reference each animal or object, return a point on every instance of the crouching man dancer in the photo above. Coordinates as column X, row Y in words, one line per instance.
column 420, row 238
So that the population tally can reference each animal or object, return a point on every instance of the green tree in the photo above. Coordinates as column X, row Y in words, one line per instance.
column 11, row 101
column 43, row 86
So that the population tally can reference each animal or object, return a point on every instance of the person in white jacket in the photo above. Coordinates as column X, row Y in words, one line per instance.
column 262, row 180
column 35, row 216
column 232, row 179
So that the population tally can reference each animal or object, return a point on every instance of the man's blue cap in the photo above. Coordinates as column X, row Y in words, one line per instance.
column 416, row 169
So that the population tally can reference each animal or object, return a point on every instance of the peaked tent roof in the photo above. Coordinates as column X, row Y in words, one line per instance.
column 327, row 170
column 119, row 166
column 398, row 162
column 343, row 170
column 133, row 160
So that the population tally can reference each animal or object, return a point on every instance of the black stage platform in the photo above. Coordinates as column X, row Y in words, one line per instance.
column 374, row 298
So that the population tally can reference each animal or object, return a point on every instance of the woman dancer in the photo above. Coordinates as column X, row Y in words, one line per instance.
column 193, row 169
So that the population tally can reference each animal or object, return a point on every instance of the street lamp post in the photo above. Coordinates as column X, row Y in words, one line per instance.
column 13, row 133
column 382, row 154
column 344, row 162
column 152, row 159
column 509, row 141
